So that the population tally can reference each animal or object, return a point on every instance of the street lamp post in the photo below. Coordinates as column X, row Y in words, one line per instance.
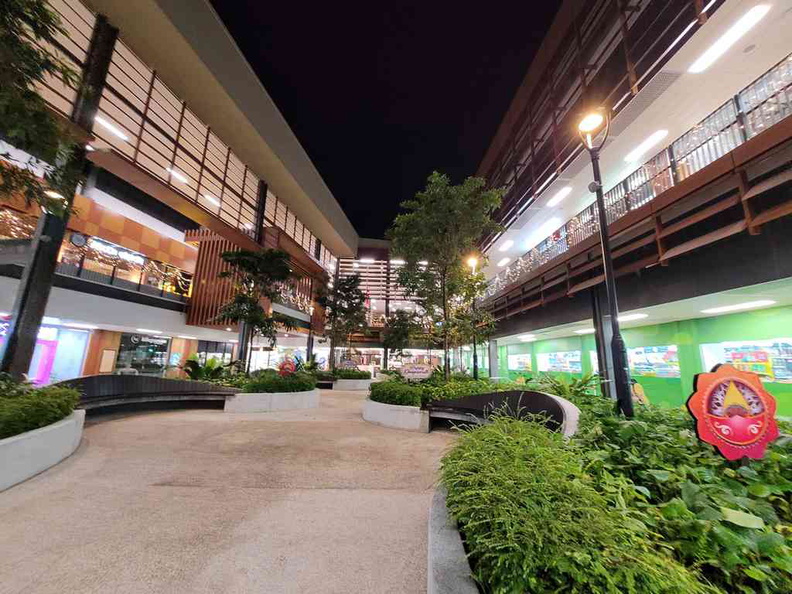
column 473, row 262
column 593, row 130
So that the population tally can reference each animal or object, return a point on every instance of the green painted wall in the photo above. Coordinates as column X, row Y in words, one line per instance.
column 688, row 335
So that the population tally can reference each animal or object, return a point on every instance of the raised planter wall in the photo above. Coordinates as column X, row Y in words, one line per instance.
column 352, row 384
column 448, row 570
column 271, row 401
column 409, row 418
column 27, row 454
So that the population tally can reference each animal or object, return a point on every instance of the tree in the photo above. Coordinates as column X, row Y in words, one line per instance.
column 256, row 275
column 435, row 235
column 28, row 30
column 345, row 310
column 400, row 329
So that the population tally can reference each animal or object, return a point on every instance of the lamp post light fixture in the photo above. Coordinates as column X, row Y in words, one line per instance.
column 593, row 130
column 472, row 261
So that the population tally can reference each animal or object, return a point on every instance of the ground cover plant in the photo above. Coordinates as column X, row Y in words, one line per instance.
column 270, row 380
column 729, row 524
column 24, row 408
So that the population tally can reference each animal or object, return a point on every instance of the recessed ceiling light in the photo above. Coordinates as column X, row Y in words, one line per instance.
column 728, row 39
column 527, row 338
column 504, row 261
column 111, row 127
column 81, row 326
column 367, row 260
column 640, row 150
column 229, row 329
column 633, row 317
column 739, row 306
column 147, row 331
column 506, row 245
column 559, row 196
column 585, row 331
column 51, row 321
column 234, row 340
column 178, row 175
column 187, row 337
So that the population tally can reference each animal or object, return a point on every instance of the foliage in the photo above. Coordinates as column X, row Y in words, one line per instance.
column 391, row 392
column 345, row 311
column 24, row 408
column 352, row 374
column 28, row 29
column 535, row 522
column 400, row 329
column 572, row 389
column 212, row 369
column 434, row 236
column 256, row 275
column 270, row 381
column 324, row 376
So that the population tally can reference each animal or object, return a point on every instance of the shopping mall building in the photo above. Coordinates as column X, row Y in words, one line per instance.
column 696, row 173
column 189, row 157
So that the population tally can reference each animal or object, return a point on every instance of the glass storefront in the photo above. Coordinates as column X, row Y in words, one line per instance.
column 139, row 354
column 209, row 349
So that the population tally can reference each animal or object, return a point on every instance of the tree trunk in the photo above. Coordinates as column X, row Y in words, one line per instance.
column 446, row 362
column 332, row 351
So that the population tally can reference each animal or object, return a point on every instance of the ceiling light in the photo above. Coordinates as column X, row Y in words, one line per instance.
column 506, row 245
column 640, row 150
column 285, row 336
column 504, row 261
column 51, row 321
column 178, row 175
column 212, row 199
column 560, row 195
column 187, row 337
column 585, row 331
column 112, row 128
column 527, row 338
column 81, row 326
column 728, row 39
column 229, row 329
column 355, row 265
column 147, row 331
column 739, row 306
column 89, row 148
column 423, row 262
column 233, row 340
column 633, row 317
column 367, row 260
column 54, row 194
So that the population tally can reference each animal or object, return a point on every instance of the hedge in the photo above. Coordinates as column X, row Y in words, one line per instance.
column 272, row 382
column 24, row 409
column 396, row 393
column 352, row 374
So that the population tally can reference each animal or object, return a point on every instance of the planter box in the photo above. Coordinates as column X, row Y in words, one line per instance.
column 350, row 384
column 271, row 401
column 27, row 454
column 448, row 569
column 409, row 418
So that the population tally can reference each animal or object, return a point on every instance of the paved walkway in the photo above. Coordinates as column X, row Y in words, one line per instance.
column 201, row 501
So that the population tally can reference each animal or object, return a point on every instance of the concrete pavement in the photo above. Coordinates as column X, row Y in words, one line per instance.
column 205, row 501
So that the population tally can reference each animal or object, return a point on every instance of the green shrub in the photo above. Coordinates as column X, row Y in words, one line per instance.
column 324, row 376
column 352, row 374
column 393, row 392
column 272, row 382
column 534, row 521
column 23, row 408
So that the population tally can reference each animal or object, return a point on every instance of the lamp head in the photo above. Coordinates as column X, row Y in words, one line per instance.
column 472, row 262
column 591, row 126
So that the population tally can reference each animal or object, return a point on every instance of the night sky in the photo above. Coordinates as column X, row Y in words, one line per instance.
column 380, row 94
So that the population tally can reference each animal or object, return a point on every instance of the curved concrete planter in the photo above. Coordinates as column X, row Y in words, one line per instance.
column 27, row 454
column 409, row 418
column 350, row 384
column 271, row 401
column 448, row 571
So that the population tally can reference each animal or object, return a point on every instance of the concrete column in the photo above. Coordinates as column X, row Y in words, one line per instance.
column 493, row 358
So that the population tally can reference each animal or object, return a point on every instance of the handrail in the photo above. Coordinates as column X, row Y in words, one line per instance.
column 760, row 105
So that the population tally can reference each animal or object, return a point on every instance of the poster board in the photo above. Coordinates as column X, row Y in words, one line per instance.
column 560, row 361
column 520, row 363
column 107, row 362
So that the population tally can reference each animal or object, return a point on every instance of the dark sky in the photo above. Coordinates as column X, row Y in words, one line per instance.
column 382, row 93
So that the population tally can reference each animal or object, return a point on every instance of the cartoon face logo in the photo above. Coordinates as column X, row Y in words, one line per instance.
column 733, row 412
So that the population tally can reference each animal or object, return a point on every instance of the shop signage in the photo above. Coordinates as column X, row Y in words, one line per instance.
column 733, row 412
column 114, row 252
column 416, row 371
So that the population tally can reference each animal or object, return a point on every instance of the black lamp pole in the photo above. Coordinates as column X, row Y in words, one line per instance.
column 621, row 370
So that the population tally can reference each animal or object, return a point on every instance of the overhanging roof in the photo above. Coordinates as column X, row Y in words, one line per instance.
column 188, row 46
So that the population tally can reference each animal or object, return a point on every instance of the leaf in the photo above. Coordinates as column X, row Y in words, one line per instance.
column 759, row 490
column 643, row 491
column 675, row 508
column 755, row 573
column 660, row 476
column 741, row 518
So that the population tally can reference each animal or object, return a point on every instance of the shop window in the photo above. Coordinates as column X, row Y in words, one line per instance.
column 770, row 359
column 142, row 355
column 563, row 361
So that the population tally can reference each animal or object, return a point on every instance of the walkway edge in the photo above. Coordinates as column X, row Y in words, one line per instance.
column 448, row 570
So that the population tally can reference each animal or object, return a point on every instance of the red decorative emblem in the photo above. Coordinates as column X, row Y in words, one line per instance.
column 286, row 367
column 733, row 412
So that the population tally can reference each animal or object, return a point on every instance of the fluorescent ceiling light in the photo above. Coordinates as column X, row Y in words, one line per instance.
column 212, row 199
column 728, row 39
column 560, row 195
column 506, row 245
column 50, row 320
column 585, row 331
column 229, row 329
column 367, row 260
column 504, row 261
column 53, row 194
column 111, row 127
column 643, row 148
column 355, row 265
column 81, row 326
column 178, row 175
column 527, row 338
column 187, row 337
column 739, row 306
column 397, row 262
column 147, row 331
column 633, row 317
column 233, row 340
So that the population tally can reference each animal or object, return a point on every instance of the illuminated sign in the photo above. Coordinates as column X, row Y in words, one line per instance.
column 733, row 412
column 114, row 252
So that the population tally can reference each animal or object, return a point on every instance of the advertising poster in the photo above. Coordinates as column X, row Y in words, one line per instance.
column 564, row 361
column 657, row 361
column 770, row 359
column 520, row 362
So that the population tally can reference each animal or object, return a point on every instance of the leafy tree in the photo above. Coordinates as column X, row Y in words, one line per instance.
column 345, row 306
column 435, row 235
column 400, row 329
column 28, row 30
column 256, row 275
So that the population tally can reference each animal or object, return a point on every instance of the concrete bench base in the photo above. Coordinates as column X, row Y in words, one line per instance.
column 271, row 401
column 409, row 418
column 352, row 384
column 27, row 454
column 448, row 571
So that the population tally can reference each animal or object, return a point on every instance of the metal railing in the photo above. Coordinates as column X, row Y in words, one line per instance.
column 759, row 106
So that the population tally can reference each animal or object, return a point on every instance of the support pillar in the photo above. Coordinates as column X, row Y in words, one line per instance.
column 35, row 285
column 493, row 359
